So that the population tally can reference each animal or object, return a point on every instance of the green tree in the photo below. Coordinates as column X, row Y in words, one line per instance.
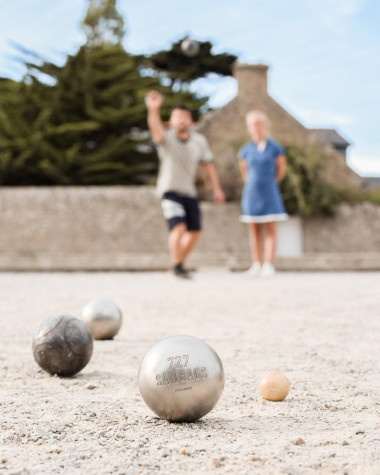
column 85, row 128
column 180, row 69
column 103, row 24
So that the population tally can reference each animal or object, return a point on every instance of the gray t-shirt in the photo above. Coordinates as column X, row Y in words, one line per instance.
column 179, row 161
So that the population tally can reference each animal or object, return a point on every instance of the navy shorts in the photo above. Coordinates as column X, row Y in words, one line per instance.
column 179, row 208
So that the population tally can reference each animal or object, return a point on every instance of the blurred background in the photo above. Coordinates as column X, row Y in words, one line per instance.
column 72, row 81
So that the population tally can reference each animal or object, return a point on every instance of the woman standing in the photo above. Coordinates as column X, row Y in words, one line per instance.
column 262, row 164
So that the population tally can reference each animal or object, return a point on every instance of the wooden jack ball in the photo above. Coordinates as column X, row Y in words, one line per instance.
column 274, row 386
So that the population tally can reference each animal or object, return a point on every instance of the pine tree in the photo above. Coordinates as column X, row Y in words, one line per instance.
column 86, row 128
column 180, row 70
column 24, row 114
column 103, row 24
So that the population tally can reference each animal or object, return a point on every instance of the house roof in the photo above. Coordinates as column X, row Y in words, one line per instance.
column 372, row 181
column 331, row 136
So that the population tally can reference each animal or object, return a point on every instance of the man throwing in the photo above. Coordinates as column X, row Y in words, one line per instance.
column 180, row 149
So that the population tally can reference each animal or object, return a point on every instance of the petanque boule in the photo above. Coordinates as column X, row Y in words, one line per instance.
column 274, row 386
column 181, row 378
column 62, row 345
column 190, row 47
column 103, row 318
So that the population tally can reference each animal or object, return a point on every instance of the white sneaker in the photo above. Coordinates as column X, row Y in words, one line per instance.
column 253, row 271
column 267, row 270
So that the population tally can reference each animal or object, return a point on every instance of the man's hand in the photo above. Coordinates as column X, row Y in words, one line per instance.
column 153, row 100
column 219, row 197
column 218, row 194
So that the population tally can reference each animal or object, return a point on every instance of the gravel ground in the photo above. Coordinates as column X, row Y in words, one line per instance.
column 320, row 329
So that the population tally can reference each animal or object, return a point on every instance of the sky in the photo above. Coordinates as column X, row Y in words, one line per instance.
column 324, row 55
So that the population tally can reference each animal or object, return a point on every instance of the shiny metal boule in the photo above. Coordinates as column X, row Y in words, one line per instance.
column 190, row 47
column 62, row 345
column 181, row 378
column 103, row 318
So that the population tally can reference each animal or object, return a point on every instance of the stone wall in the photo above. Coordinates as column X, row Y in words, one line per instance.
column 118, row 228
column 355, row 229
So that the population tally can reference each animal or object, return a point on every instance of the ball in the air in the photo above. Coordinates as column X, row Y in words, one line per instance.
column 181, row 378
column 190, row 47
column 62, row 345
column 103, row 318
column 274, row 386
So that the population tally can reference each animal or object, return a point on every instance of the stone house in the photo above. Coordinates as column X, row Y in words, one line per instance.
column 226, row 130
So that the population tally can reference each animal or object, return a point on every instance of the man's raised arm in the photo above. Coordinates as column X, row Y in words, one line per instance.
column 153, row 101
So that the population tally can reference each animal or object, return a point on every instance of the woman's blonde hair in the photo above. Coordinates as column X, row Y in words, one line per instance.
column 257, row 114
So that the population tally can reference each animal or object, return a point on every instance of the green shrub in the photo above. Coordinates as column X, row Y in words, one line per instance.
column 353, row 196
column 304, row 191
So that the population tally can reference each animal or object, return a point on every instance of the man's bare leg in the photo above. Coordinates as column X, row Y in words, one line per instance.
column 174, row 242
column 188, row 241
column 177, row 250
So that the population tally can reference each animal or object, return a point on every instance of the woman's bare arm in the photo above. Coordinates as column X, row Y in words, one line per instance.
column 281, row 167
column 243, row 169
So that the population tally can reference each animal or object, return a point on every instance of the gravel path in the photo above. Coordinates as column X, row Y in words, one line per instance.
column 320, row 329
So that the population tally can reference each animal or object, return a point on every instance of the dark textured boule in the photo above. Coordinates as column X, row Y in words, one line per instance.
column 190, row 47
column 103, row 318
column 181, row 378
column 62, row 345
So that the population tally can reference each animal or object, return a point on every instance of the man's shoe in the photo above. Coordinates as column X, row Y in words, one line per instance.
column 180, row 272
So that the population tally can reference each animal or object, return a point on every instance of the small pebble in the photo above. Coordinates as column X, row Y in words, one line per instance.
column 298, row 441
column 214, row 462
column 258, row 459
column 165, row 452
column 291, row 471
column 56, row 451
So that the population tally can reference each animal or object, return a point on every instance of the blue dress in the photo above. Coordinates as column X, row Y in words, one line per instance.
column 261, row 200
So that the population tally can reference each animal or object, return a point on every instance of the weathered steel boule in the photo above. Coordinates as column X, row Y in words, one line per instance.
column 62, row 345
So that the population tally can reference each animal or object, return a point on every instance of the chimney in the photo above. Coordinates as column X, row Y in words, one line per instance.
column 251, row 79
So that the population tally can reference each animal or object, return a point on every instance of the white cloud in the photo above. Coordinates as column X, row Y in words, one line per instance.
column 220, row 89
column 365, row 165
